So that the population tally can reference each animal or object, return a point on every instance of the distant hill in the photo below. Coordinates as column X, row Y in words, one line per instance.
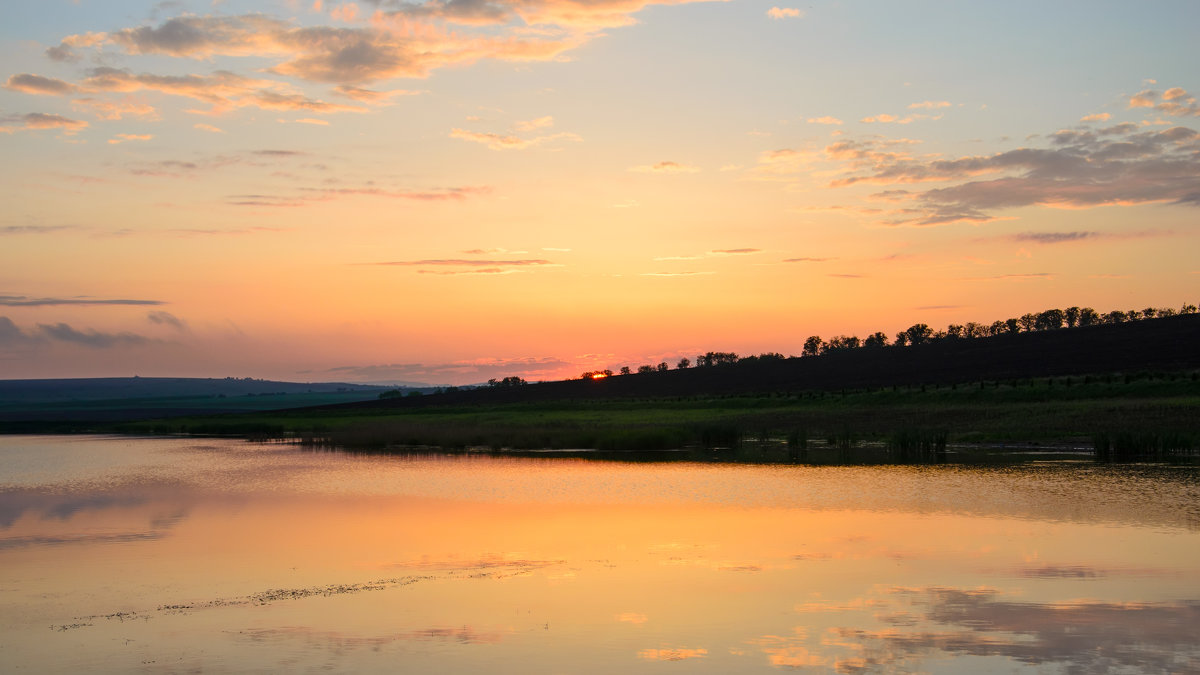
column 1165, row 344
column 128, row 398
column 93, row 389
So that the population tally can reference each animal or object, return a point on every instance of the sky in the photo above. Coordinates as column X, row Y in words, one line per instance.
column 455, row 190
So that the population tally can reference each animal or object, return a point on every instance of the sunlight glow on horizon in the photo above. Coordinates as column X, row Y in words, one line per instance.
column 426, row 193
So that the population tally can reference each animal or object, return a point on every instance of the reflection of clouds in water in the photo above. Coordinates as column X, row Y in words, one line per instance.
column 672, row 654
column 466, row 635
column 1084, row 636
column 34, row 518
column 790, row 651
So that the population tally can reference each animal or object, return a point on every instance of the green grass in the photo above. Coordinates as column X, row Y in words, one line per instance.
column 910, row 421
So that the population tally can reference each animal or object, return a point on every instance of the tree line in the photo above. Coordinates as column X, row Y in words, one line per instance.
column 920, row 333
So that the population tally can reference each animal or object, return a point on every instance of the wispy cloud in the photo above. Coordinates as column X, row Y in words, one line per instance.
column 464, row 262
column 735, row 251
column 502, row 142
column 665, row 167
column 804, row 260
column 122, row 138
column 162, row 318
column 785, row 13
column 1118, row 165
column 28, row 83
column 26, row 301
column 39, row 121
column 929, row 105
column 825, row 120
column 1176, row 102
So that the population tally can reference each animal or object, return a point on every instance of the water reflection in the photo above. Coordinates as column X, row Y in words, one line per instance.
column 225, row 556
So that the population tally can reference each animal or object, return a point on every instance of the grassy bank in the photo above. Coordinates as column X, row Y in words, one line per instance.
column 1118, row 415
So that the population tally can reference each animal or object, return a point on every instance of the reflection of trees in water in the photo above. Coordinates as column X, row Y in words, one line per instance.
column 1082, row 636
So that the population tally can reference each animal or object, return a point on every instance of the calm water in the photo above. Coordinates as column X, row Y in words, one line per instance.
column 168, row 555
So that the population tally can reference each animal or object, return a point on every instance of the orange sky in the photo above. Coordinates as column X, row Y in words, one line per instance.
column 448, row 192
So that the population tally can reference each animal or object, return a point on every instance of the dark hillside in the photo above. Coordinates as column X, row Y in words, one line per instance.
column 1166, row 344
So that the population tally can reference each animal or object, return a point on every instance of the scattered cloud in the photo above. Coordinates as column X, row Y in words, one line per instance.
column 121, row 138
column 209, row 128
column 33, row 229
column 785, row 13
column 28, row 83
column 39, row 121
column 665, row 167
column 824, row 120
column 887, row 119
column 62, row 332
column 1118, row 165
column 929, row 105
column 25, row 301
column 676, row 274
column 312, row 120
column 166, row 319
column 1096, row 117
column 501, row 142
column 464, row 262
column 1176, row 102
column 678, row 654
column 539, row 123
column 1053, row 237
column 735, row 251
column 803, row 260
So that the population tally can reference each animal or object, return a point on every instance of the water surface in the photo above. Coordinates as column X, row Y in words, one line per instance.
column 163, row 555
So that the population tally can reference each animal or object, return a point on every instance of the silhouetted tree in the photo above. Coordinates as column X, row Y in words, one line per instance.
column 1051, row 319
column 842, row 342
column 1149, row 313
column 918, row 333
column 506, row 382
column 716, row 359
column 813, row 345
column 1187, row 309
column 662, row 367
column 1013, row 325
column 997, row 328
column 955, row 331
column 1028, row 322
column 876, row 339
column 625, row 370
column 974, row 330
column 1071, row 314
column 642, row 370
column 1088, row 317
column 902, row 339
column 683, row 363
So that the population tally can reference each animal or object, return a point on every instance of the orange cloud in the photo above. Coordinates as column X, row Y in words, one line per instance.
column 38, row 121
column 665, row 167
column 784, row 13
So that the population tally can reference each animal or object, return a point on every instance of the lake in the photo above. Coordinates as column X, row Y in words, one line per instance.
column 216, row 555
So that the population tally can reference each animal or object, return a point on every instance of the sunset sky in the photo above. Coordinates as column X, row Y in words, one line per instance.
column 450, row 191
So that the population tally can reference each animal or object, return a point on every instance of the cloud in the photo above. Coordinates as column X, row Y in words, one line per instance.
column 665, row 167
column 539, row 123
column 457, row 372
column 824, row 120
column 500, row 142
column 121, row 138
column 64, row 333
column 1053, row 237
column 801, row 260
column 1118, row 165
column 676, row 274
column 677, row 654
column 166, row 319
column 10, row 334
column 33, row 229
column 373, row 97
column 38, row 121
column 887, row 119
column 1176, row 102
column 223, row 90
column 929, row 105
column 785, row 13
column 209, row 128
column 312, row 120
column 115, row 110
column 25, row 301
column 28, row 83
column 1096, row 117
column 735, row 251
column 307, row 195
column 465, row 262
column 1027, row 276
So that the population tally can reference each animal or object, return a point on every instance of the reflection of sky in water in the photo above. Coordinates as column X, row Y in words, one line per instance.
column 175, row 554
